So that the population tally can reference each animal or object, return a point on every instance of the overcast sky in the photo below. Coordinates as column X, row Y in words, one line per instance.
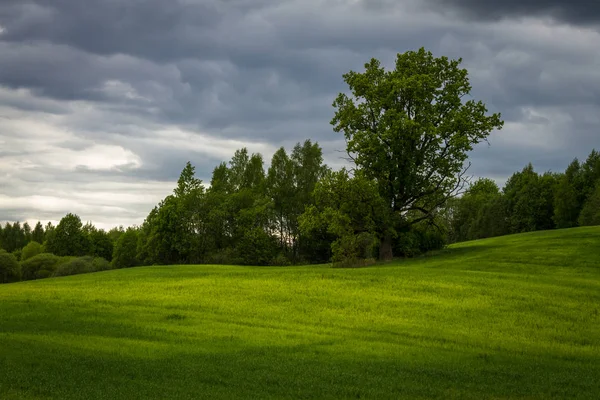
column 103, row 101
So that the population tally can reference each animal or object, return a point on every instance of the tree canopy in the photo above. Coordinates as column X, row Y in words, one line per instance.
column 409, row 130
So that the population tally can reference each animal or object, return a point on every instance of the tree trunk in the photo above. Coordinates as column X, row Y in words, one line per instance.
column 385, row 248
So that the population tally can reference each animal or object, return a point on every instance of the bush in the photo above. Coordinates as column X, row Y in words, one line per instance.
column 281, row 260
column 17, row 254
column 418, row 240
column 41, row 266
column 82, row 265
column 256, row 248
column 31, row 250
column 354, row 250
column 223, row 257
column 10, row 270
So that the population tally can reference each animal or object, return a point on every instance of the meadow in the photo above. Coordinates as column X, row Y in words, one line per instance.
column 509, row 317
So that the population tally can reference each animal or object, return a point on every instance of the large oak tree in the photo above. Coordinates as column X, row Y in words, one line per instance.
column 410, row 130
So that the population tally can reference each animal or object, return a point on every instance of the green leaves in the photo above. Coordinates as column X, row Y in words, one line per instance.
column 409, row 130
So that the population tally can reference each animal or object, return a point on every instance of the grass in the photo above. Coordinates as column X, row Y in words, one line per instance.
column 511, row 317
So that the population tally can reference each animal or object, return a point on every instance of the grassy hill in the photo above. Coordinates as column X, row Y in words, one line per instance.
column 510, row 317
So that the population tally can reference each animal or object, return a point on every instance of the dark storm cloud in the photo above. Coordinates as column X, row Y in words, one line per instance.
column 582, row 12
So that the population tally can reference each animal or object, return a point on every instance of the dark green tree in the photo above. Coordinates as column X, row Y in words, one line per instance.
column 410, row 131
column 100, row 244
column 10, row 270
column 38, row 233
column 350, row 209
column 568, row 197
column 32, row 249
column 125, row 250
column 590, row 214
column 529, row 200
column 69, row 238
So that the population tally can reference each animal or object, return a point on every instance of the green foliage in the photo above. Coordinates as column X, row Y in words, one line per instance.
column 41, row 266
column 348, row 208
column 100, row 244
column 17, row 254
column 82, row 265
column 409, row 130
column 568, row 196
column 38, row 234
column 530, row 199
column 69, row 239
column 32, row 249
column 590, row 214
column 352, row 250
column 125, row 250
column 10, row 270
column 480, row 213
column 256, row 247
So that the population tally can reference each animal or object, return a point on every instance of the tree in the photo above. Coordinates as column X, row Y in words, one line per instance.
column 125, row 250
column 409, row 130
column 100, row 244
column 350, row 209
column 38, row 233
column 479, row 213
column 69, row 239
column 281, row 190
column 590, row 214
column 10, row 270
column 568, row 196
column 32, row 249
column 529, row 200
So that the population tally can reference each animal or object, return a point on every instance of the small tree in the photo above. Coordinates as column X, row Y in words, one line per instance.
column 125, row 252
column 69, row 239
column 32, row 249
column 10, row 270
column 590, row 214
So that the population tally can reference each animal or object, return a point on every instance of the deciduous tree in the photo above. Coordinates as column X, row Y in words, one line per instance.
column 409, row 130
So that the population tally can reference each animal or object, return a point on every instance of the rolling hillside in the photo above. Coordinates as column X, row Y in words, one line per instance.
column 510, row 317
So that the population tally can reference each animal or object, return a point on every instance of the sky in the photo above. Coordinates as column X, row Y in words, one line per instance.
column 102, row 102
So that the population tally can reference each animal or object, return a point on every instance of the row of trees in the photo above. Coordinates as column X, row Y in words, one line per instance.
column 408, row 132
column 69, row 238
column 528, row 202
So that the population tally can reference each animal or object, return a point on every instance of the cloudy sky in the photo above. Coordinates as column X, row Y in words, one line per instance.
column 103, row 101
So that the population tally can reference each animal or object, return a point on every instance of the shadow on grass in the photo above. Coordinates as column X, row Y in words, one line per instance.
column 304, row 371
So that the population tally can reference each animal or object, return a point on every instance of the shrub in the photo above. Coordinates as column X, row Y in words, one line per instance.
column 281, row 260
column 41, row 266
column 31, row 250
column 81, row 265
column 256, row 248
column 10, row 270
column 17, row 254
column 223, row 257
column 354, row 250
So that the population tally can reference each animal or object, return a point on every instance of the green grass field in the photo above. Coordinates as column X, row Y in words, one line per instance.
column 511, row 317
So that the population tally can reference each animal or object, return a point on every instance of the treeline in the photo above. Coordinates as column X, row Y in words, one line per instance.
column 248, row 215
column 298, row 211
column 408, row 134
column 252, row 216
column 45, row 251
column 529, row 201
